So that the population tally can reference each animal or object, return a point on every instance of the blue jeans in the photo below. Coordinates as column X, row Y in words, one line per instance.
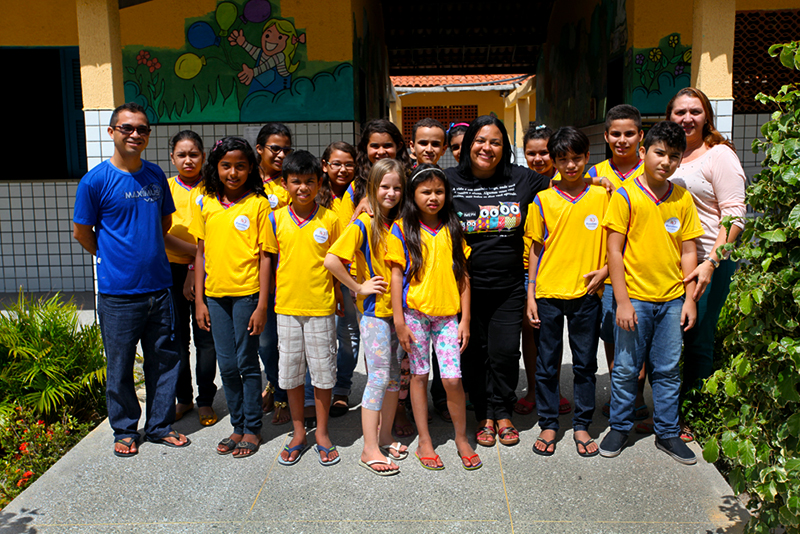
column 583, row 320
column 657, row 340
column 608, row 319
column 698, row 344
column 347, row 338
column 268, row 349
column 237, row 356
column 206, row 356
column 125, row 320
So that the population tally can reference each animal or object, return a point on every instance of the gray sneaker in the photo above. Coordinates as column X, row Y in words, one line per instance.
column 676, row 448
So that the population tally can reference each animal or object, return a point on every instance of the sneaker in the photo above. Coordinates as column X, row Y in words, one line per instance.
column 613, row 443
column 676, row 448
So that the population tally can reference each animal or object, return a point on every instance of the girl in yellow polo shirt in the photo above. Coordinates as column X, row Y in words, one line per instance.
column 232, row 270
column 429, row 287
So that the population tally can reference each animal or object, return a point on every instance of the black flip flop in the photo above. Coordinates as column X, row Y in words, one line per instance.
column 547, row 444
column 229, row 445
column 585, row 447
column 163, row 440
column 128, row 442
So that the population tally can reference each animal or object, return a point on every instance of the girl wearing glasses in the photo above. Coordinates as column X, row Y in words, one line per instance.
column 273, row 144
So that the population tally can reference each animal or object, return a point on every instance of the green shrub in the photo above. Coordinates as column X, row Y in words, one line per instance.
column 755, row 395
column 28, row 447
column 48, row 362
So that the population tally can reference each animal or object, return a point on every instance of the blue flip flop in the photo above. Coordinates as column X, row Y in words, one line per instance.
column 320, row 448
column 303, row 447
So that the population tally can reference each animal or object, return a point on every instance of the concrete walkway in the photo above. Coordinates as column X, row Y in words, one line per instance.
column 165, row 490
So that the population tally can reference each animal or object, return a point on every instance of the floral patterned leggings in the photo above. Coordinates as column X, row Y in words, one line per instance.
column 443, row 332
column 382, row 352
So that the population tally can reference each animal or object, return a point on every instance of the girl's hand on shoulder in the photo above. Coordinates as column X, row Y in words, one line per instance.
column 606, row 183
column 463, row 334
column 363, row 207
column 257, row 321
column 188, row 286
column 405, row 336
column 202, row 315
column 374, row 285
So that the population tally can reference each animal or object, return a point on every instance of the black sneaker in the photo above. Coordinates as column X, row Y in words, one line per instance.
column 613, row 443
column 676, row 448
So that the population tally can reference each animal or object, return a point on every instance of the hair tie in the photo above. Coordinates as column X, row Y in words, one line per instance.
column 454, row 125
column 541, row 127
column 217, row 144
column 301, row 39
column 429, row 169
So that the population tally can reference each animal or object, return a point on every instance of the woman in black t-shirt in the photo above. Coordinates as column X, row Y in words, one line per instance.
column 491, row 197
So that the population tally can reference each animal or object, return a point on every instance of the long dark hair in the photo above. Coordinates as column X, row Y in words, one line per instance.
column 325, row 193
column 447, row 215
column 363, row 165
column 465, row 164
column 211, row 181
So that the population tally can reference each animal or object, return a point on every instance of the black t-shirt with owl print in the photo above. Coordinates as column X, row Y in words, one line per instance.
column 492, row 212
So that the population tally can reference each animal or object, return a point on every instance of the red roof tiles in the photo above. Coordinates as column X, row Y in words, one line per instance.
column 435, row 81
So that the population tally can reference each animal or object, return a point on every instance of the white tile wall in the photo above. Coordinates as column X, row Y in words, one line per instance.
column 746, row 128
column 311, row 136
column 597, row 143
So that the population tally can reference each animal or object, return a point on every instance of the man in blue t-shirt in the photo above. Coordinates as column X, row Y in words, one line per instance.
column 123, row 208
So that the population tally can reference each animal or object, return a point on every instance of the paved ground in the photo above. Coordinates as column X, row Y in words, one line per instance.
column 195, row 490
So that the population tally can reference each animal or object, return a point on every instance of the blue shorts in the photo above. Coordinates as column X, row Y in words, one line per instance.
column 608, row 318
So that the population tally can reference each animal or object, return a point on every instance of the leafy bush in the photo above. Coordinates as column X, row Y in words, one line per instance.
column 756, row 431
column 48, row 362
column 28, row 447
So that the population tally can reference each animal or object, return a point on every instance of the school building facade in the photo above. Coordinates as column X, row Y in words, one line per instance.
column 323, row 68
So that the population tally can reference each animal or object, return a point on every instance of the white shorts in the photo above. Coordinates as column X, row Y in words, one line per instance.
column 306, row 341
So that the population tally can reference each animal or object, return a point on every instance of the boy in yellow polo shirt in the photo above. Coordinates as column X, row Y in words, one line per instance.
column 306, row 301
column 567, row 266
column 651, row 226
column 623, row 135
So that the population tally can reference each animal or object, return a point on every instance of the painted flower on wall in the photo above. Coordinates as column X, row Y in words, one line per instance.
column 660, row 70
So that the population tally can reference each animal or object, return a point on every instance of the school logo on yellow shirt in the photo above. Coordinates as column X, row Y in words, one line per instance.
column 320, row 235
column 591, row 222
column 241, row 223
column 273, row 201
column 672, row 225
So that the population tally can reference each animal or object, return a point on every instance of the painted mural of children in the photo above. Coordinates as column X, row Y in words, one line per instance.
column 273, row 69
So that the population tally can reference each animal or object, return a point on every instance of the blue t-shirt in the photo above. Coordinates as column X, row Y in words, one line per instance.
column 126, row 211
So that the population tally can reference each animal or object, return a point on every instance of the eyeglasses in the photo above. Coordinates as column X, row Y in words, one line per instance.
column 336, row 166
column 275, row 149
column 127, row 129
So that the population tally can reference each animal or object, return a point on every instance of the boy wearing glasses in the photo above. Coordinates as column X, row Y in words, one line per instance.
column 123, row 208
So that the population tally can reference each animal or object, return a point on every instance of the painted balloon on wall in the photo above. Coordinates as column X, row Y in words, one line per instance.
column 256, row 11
column 226, row 16
column 189, row 65
column 202, row 35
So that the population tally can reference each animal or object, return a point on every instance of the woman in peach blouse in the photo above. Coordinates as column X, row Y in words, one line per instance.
column 711, row 171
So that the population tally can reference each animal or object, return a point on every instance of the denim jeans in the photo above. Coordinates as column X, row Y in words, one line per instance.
column 125, row 320
column 698, row 344
column 583, row 321
column 237, row 356
column 268, row 349
column 491, row 361
column 347, row 338
column 607, row 316
column 656, row 340
column 206, row 356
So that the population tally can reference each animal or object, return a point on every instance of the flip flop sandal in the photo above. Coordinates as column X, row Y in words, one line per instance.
column 303, row 447
column 547, row 444
column 163, row 440
column 503, row 433
column 469, row 461
column 320, row 449
column 179, row 414
column 387, row 450
column 606, row 409
column 228, row 445
column 128, row 442
column 641, row 413
column 383, row 473
column 339, row 407
column 281, row 409
column 585, row 447
column 434, row 459
column 402, row 431
column 208, row 420
column 644, row 428
column 482, row 439
column 251, row 448
column 564, row 407
column 524, row 406
column 687, row 435
column 268, row 398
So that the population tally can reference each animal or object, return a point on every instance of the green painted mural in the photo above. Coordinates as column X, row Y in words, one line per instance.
column 241, row 63
column 654, row 75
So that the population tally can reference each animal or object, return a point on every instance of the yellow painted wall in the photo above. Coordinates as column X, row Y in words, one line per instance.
column 160, row 23
column 766, row 5
column 39, row 23
column 649, row 21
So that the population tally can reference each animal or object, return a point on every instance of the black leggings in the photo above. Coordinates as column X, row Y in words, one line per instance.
column 491, row 361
